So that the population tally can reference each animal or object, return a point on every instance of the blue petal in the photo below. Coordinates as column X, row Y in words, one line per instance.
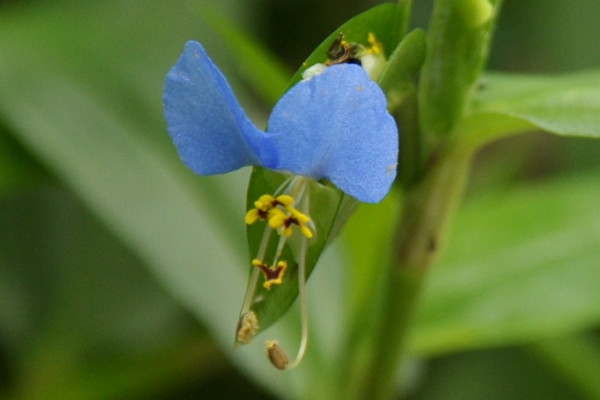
column 336, row 126
column 206, row 123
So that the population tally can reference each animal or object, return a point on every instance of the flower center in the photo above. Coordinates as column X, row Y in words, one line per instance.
column 281, row 216
column 279, row 212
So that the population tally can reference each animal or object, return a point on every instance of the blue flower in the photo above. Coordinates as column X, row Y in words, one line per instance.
column 333, row 126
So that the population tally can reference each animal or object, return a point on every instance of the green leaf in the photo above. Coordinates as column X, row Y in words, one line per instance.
column 366, row 251
column 330, row 208
column 71, row 297
column 458, row 44
column 520, row 265
column 575, row 359
column 17, row 168
column 567, row 104
column 402, row 67
column 492, row 374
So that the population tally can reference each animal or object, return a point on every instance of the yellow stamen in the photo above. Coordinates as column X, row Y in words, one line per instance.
column 285, row 200
column 306, row 231
column 273, row 275
column 299, row 217
column 252, row 216
column 261, row 209
column 264, row 201
column 376, row 46
column 279, row 219
column 265, row 207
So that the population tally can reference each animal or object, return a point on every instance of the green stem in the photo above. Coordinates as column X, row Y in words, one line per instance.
column 457, row 46
column 421, row 231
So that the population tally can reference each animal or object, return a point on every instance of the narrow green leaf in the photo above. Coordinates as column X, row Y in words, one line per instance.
column 403, row 65
column 567, row 104
column 520, row 266
column 403, row 16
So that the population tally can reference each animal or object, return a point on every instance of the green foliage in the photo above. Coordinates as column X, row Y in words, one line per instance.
column 520, row 265
column 106, row 238
column 566, row 105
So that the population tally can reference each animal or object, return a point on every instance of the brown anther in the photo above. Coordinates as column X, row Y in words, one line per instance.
column 276, row 354
column 247, row 327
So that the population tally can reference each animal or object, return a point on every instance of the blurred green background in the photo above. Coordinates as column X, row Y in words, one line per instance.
column 121, row 272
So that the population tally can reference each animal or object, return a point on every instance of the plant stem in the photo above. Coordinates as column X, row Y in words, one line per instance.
column 419, row 238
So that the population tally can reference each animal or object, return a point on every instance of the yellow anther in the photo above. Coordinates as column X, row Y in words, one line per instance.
column 277, row 219
column 299, row 217
column 306, row 231
column 265, row 207
column 257, row 263
column 301, row 220
column 264, row 201
column 376, row 46
column 253, row 215
column 261, row 210
column 273, row 275
column 280, row 213
column 285, row 200
column 281, row 220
